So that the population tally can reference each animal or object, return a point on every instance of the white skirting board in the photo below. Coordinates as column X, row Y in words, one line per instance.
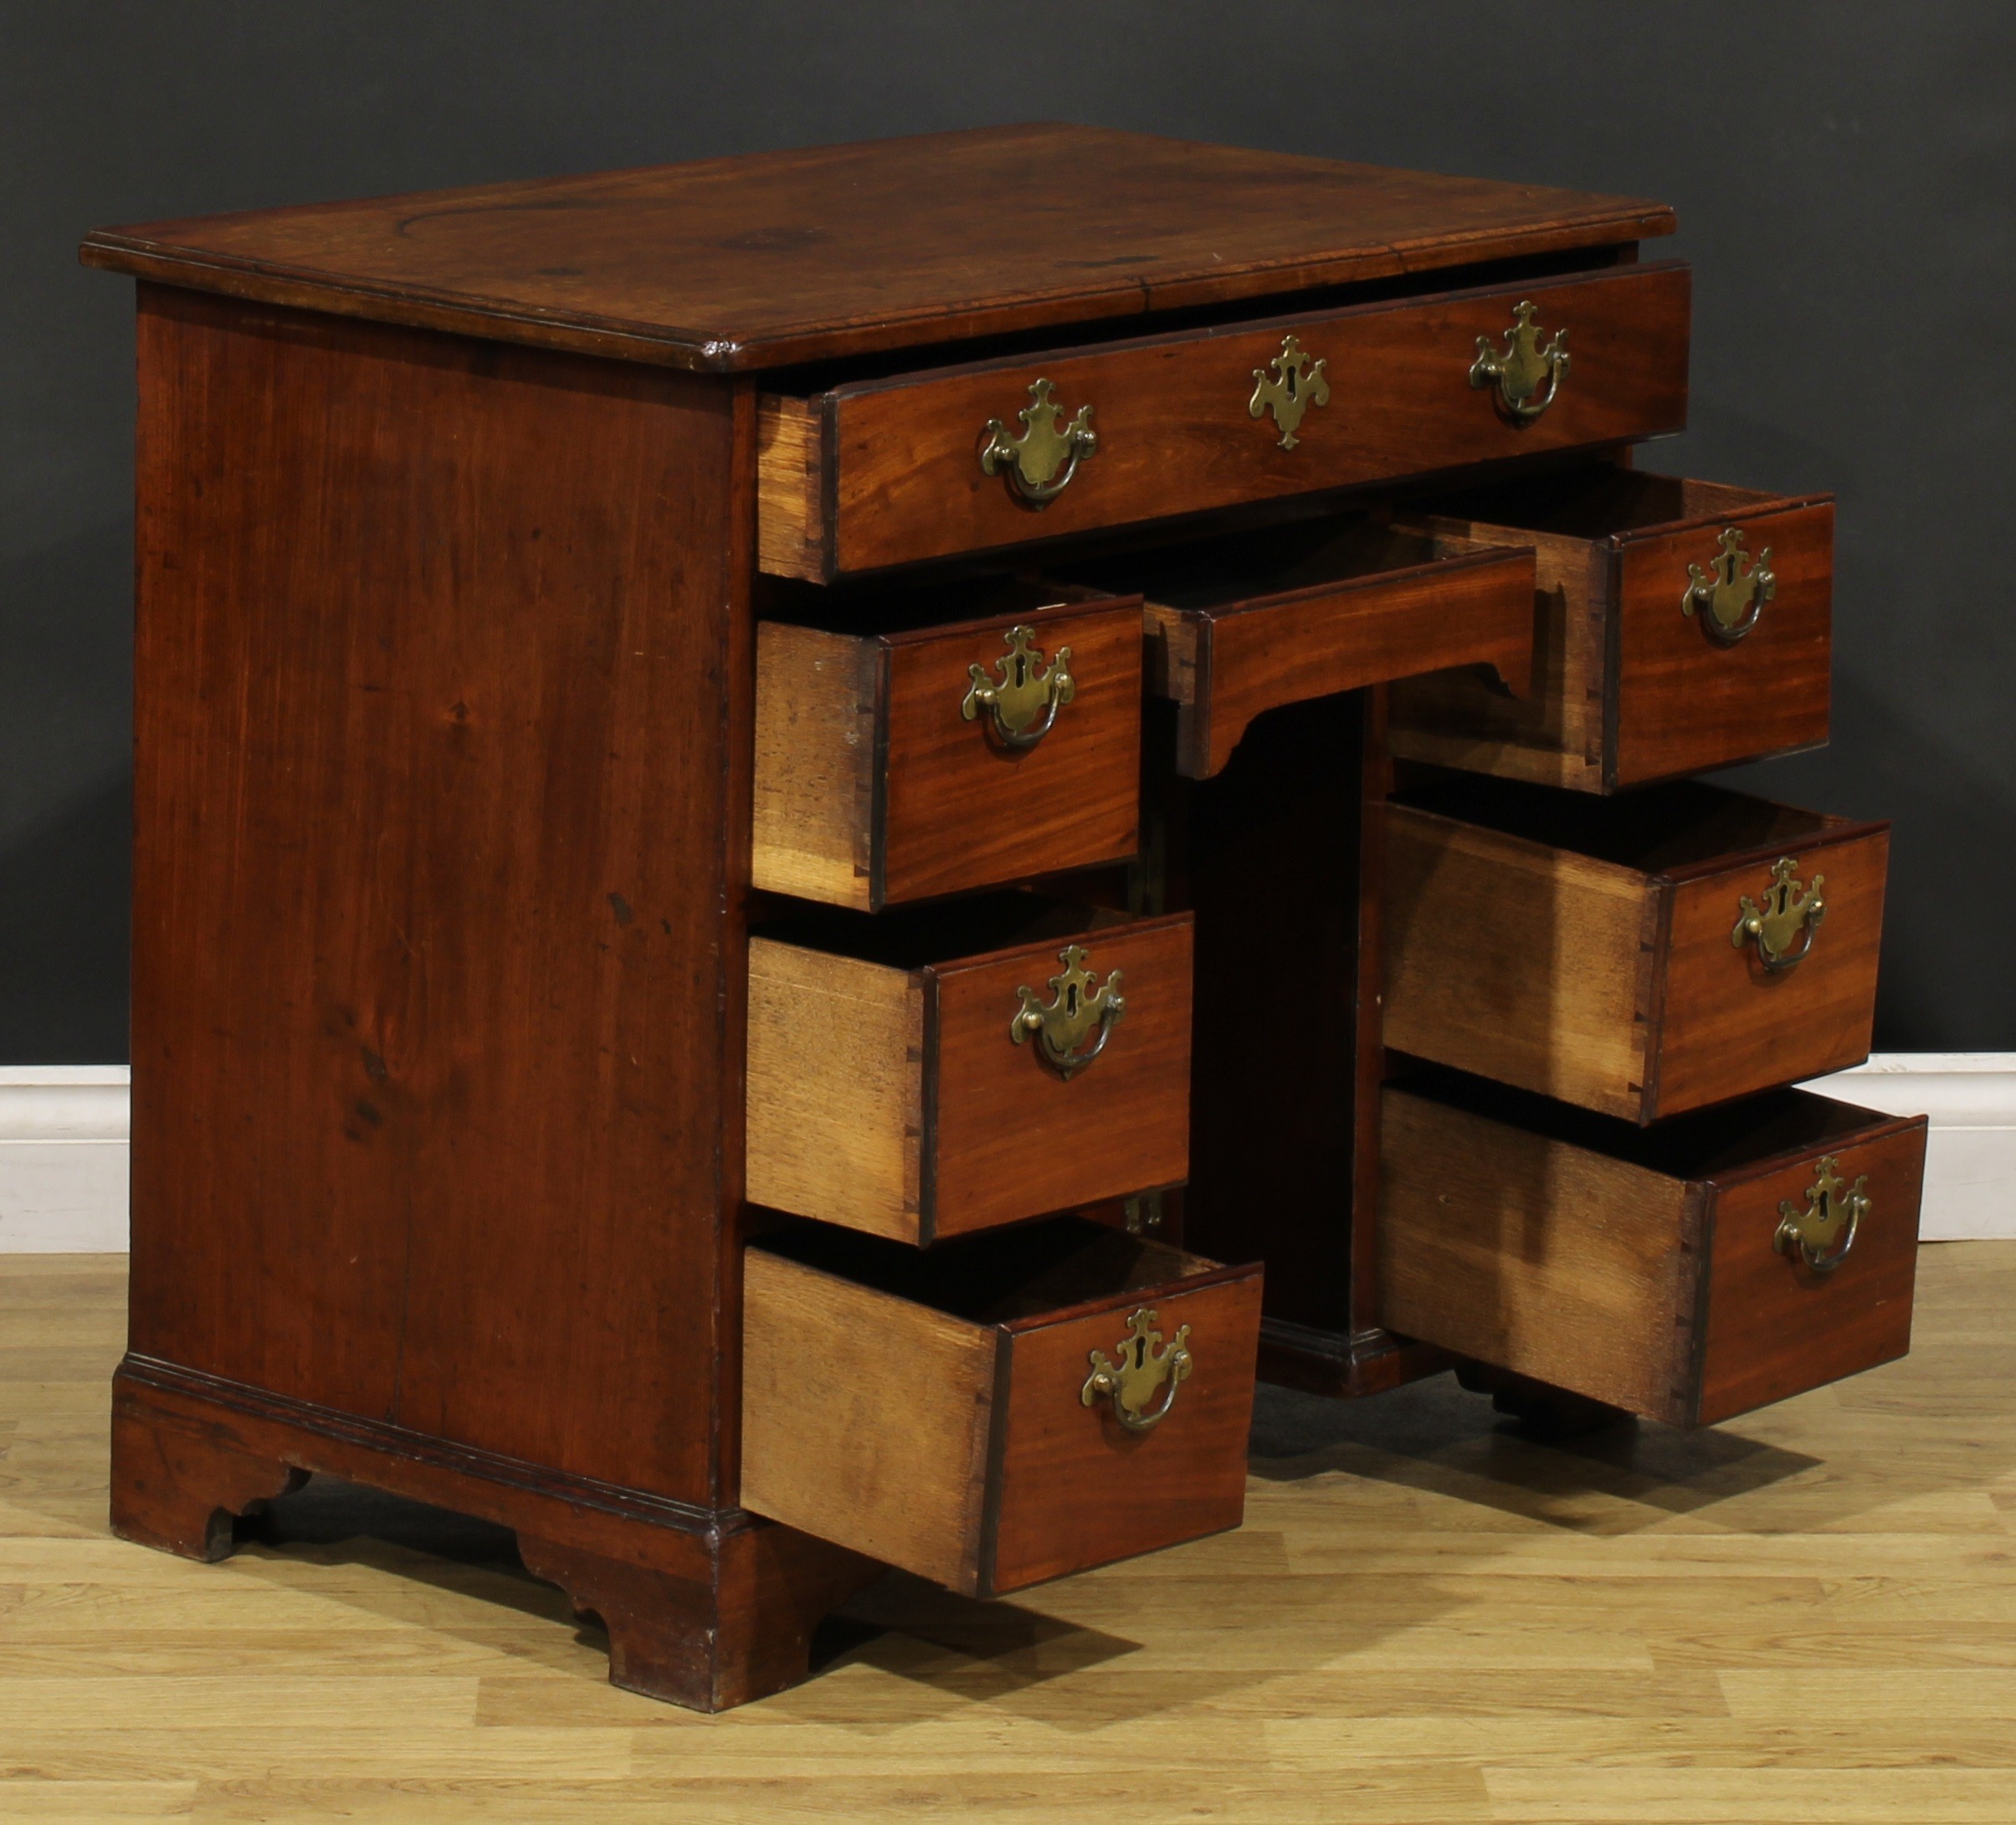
column 62, row 1145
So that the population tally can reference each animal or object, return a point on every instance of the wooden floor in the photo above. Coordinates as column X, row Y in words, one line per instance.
column 1810, row 1615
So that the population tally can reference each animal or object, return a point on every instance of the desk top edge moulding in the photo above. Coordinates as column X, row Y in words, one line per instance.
column 818, row 836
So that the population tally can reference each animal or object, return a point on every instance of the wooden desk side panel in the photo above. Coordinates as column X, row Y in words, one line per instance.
column 435, row 934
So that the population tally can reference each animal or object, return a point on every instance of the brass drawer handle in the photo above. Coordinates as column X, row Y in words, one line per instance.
column 1294, row 385
column 1077, row 1012
column 1524, row 367
column 1023, row 700
column 1782, row 927
column 1833, row 1207
column 1729, row 598
column 1144, row 1365
column 1039, row 464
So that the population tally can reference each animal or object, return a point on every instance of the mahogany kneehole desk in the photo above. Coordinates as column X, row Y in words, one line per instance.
column 824, row 839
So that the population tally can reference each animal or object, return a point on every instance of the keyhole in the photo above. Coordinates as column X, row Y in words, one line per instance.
column 1070, row 1000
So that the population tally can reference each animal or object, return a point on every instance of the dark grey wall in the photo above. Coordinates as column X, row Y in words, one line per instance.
column 1844, row 172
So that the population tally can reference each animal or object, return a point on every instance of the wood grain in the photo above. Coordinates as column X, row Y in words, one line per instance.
column 1010, row 1138
column 1632, row 690
column 814, row 832
column 961, row 810
column 1773, row 1330
column 791, row 529
column 422, row 1125
column 1079, row 1489
column 1683, row 704
column 1637, row 1267
column 1727, row 1025
column 1523, row 963
column 1427, row 1617
column 1224, row 666
column 927, row 1408
column 836, row 1089
column 1551, row 1261
column 1174, row 437
column 791, row 256
column 867, row 1417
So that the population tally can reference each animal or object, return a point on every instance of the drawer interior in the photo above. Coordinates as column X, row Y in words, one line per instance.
column 1700, row 1145
column 911, row 937
column 1595, row 501
column 1264, row 561
column 944, row 599
column 1000, row 1276
column 1658, row 830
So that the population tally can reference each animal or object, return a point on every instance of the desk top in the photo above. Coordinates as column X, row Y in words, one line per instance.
column 739, row 263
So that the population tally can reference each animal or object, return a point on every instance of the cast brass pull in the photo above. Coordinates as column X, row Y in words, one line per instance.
column 1782, row 926
column 1144, row 1365
column 1523, row 368
column 1039, row 464
column 1023, row 700
column 1290, row 391
column 1832, row 1208
column 1728, row 598
column 1077, row 1012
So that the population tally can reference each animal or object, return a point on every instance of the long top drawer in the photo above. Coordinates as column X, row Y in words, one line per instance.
column 950, row 460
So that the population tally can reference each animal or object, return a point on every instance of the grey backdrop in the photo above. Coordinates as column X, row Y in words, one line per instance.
column 1845, row 175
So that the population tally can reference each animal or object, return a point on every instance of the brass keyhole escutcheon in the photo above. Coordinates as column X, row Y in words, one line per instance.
column 1021, row 702
column 1296, row 384
column 1727, row 596
column 1783, row 923
column 1039, row 464
column 1146, row 1366
column 1526, row 374
column 1074, row 1029
column 1833, row 1209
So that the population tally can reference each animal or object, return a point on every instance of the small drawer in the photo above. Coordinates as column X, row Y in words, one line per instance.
column 1688, row 1273
column 1243, row 625
column 936, row 755
column 959, row 459
column 1641, row 956
column 1679, row 626
column 926, row 1076
column 1018, row 1407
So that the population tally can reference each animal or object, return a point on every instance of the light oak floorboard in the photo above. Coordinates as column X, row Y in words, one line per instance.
column 1807, row 1615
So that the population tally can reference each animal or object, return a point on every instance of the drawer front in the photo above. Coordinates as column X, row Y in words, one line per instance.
column 947, row 759
column 963, row 805
column 1078, row 1488
column 1776, row 1327
column 1727, row 1024
column 1008, row 1134
column 900, row 1102
column 983, row 1455
column 1686, row 696
column 889, row 472
column 1225, row 666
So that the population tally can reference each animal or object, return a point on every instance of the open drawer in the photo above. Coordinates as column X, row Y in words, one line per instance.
column 1022, row 1406
column 1640, row 955
column 1688, row 1273
column 939, row 1070
column 1247, row 622
column 1680, row 626
column 940, row 462
column 918, row 741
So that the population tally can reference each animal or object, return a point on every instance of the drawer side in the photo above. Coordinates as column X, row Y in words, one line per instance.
column 866, row 1418
column 1536, row 1256
column 835, row 1088
column 813, row 811
column 1516, row 962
